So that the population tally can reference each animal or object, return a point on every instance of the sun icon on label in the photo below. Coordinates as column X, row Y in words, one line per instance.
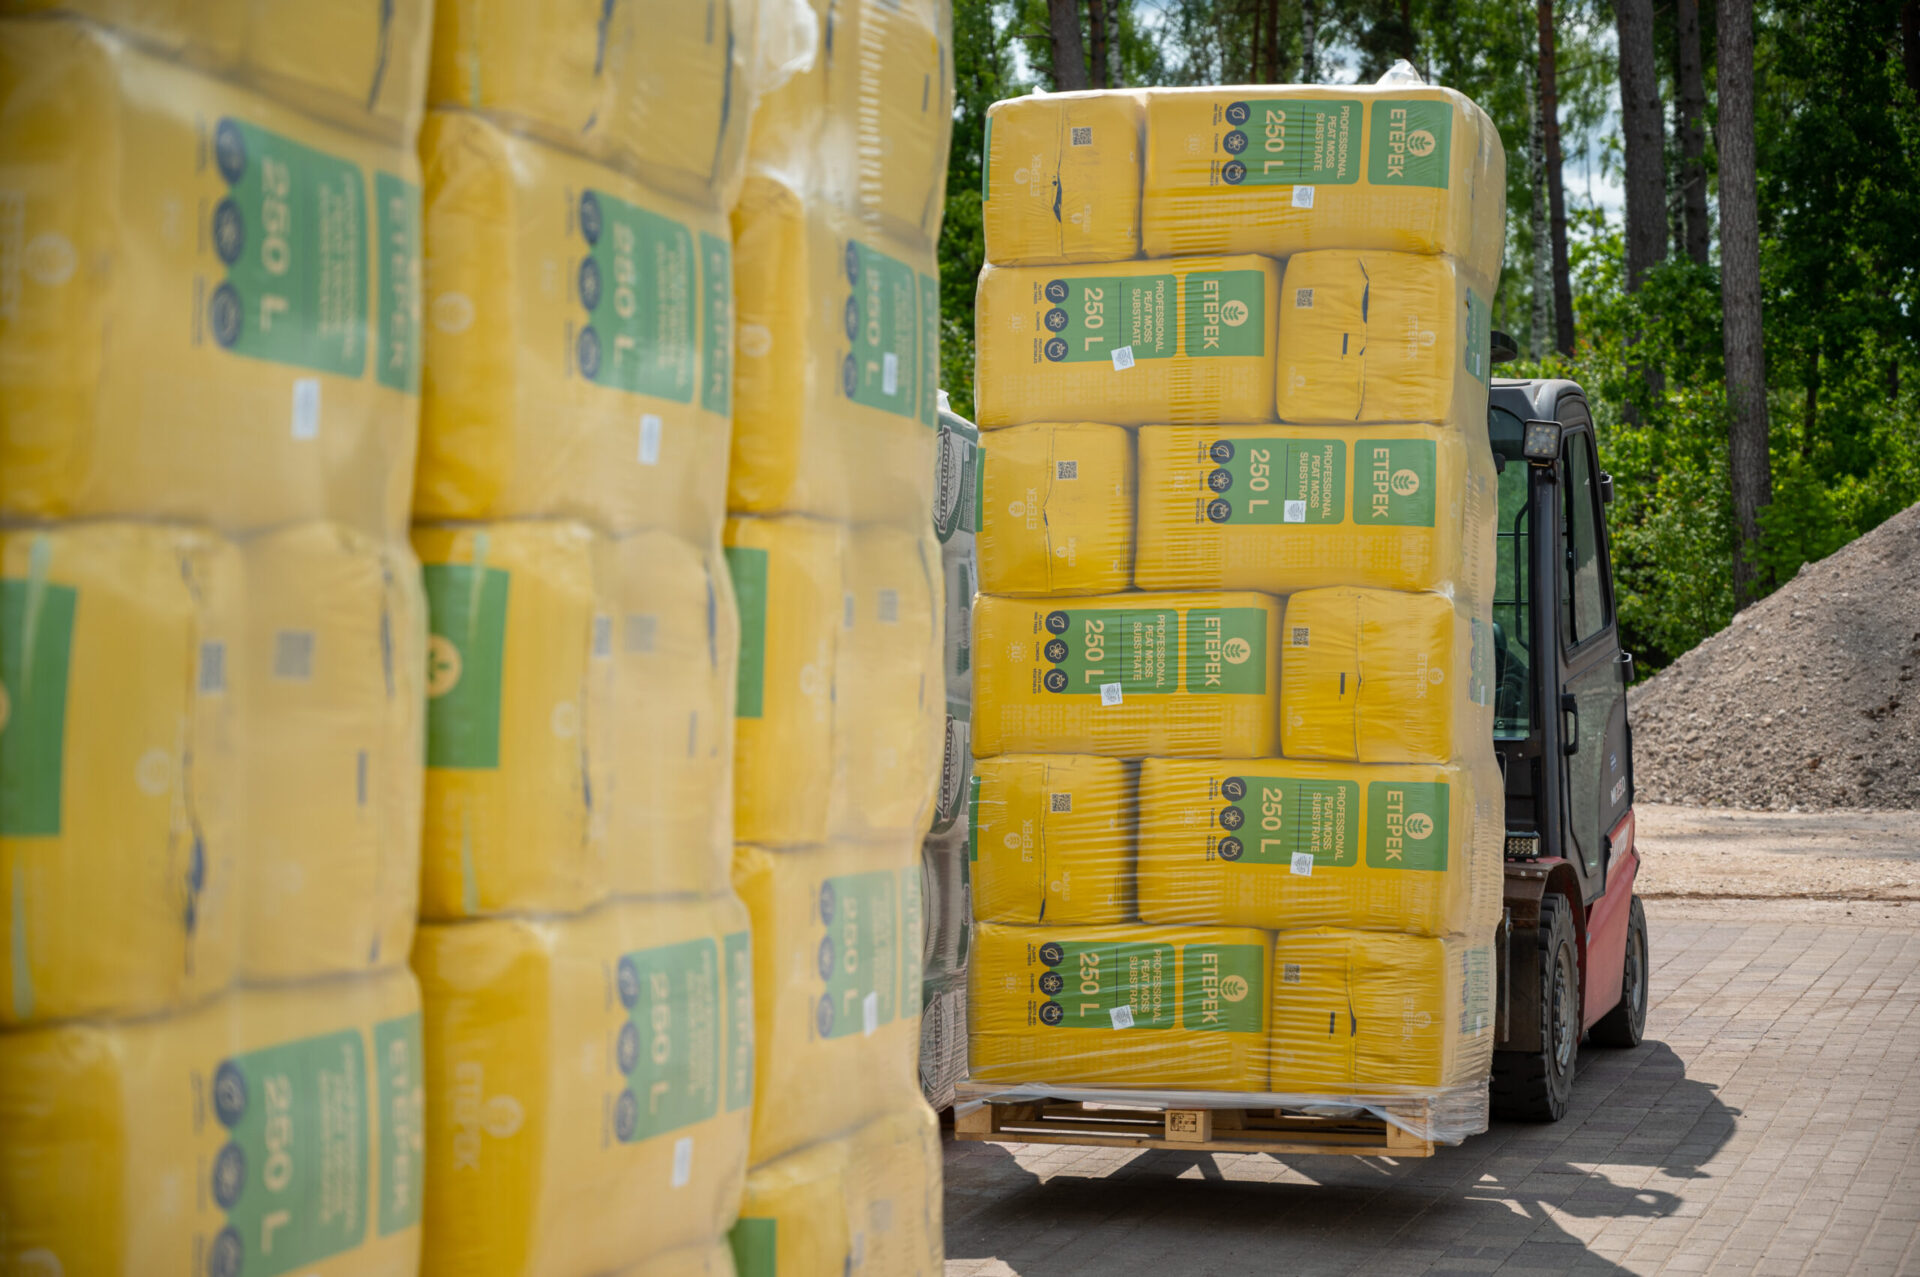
column 1420, row 143
column 1233, row 988
column 1419, row 826
column 1236, row 650
column 443, row 665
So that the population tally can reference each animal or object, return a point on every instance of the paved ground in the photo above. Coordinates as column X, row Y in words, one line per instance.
column 1770, row 1124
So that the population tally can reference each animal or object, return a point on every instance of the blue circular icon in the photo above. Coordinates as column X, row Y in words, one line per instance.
column 224, row 1256
column 1057, row 349
column 1233, row 172
column 627, row 979
column 626, row 1117
column 826, row 957
column 1238, row 113
column 627, row 1047
column 229, row 1175
column 230, row 151
column 590, row 217
column 229, row 230
column 828, row 901
column 823, row 1017
column 589, row 353
column 1234, row 142
column 589, row 283
column 223, row 314
column 229, row 1094
column 1219, row 509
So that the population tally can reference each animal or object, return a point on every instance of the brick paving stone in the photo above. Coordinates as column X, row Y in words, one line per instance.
column 1770, row 1123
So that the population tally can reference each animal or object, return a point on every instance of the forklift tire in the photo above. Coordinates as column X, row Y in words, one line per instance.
column 1535, row 1086
column 1626, row 1024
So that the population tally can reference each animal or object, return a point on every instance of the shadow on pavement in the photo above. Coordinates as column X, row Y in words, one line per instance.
column 1635, row 1144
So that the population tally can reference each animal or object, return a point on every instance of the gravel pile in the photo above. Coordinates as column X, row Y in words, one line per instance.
column 1809, row 700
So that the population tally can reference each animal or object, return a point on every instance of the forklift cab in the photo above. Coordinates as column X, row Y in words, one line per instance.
column 1572, row 941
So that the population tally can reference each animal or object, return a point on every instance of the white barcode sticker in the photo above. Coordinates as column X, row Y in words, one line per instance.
column 846, row 611
column 1109, row 693
column 1293, row 512
column 306, row 408
column 1083, row 135
column 1122, row 1016
column 1300, row 635
column 293, row 655
column 682, row 1161
column 603, row 636
column 1303, row 197
column 870, row 1013
column 1122, row 358
column 1289, row 973
column 1303, row 863
column 650, row 429
column 213, row 666
column 1303, row 299
column 1060, row 803
column 643, row 631
column 889, row 373
column 1066, row 469
column 887, row 606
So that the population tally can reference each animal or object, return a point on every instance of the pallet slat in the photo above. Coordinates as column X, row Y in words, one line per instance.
column 1193, row 1130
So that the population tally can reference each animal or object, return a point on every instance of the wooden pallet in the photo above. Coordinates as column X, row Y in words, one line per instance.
column 1217, row 1130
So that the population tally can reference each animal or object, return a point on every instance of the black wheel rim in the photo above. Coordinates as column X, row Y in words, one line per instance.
column 1636, row 979
column 1564, row 1035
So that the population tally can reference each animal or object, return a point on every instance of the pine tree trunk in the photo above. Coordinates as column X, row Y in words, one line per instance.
column 1097, row 24
column 1274, row 74
column 1644, row 129
column 1746, row 356
column 1069, row 61
column 1309, row 37
column 1556, row 190
column 1691, row 101
column 1542, row 325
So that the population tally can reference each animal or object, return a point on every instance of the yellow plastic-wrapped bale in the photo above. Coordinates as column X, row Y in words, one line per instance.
column 1282, row 508
column 1057, row 510
column 578, row 340
column 838, row 356
column 1127, row 342
column 1281, row 844
column 121, row 835
column 333, row 681
column 675, row 637
column 787, row 583
column 588, row 1083
column 889, row 696
column 1061, row 181
column 1178, row 675
column 837, row 935
column 519, row 686
column 272, row 1131
column 889, row 85
column 1050, row 839
column 867, row 1202
column 212, row 314
column 712, row 1259
column 1367, row 1013
column 1156, row 1008
column 1371, row 676
column 1285, row 170
column 655, row 87
column 1376, row 337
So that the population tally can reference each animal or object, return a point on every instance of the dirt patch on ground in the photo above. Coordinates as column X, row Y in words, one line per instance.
column 1810, row 699
column 1709, row 855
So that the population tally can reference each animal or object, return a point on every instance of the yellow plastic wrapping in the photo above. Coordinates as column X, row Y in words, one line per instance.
column 788, row 581
column 866, row 1203
column 212, row 302
column 1382, row 1014
column 1284, row 170
column 1180, row 675
column 1371, row 676
column 1282, row 844
column 265, row 1130
column 121, row 775
column 519, row 683
column 711, row 1259
column 837, row 936
column 889, row 72
column 1050, row 839
column 1378, row 337
column 1282, row 508
column 588, row 1085
column 1057, row 510
column 333, row 680
column 1124, row 1006
column 577, row 340
column 1128, row 342
column 1061, row 181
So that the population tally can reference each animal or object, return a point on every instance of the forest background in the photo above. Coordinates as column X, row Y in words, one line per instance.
column 1717, row 233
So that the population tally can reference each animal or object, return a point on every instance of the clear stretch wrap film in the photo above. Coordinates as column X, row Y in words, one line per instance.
column 1236, row 823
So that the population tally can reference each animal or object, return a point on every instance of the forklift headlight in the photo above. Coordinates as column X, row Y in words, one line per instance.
column 1541, row 443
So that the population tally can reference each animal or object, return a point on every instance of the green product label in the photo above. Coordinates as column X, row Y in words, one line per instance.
column 973, row 819
column 1118, row 985
column 637, row 285
column 1091, row 318
column 292, row 1177
column 929, row 350
column 1394, row 482
column 398, row 1063
column 912, row 940
column 36, row 643
column 1222, row 987
column 292, row 232
column 1409, row 144
column 668, row 1047
column 1227, row 651
column 466, row 658
column 1226, row 314
column 397, row 313
column 1480, row 658
column 737, row 949
column 1277, row 481
column 1287, row 142
column 1137, row 648
column 755, row 1248
column 716, row 349
column 1271, row 819
column 1479, row 342
column 956, row 477
column 858, row 962
column 884, row 364
column 1407, row 826
column 748, row 567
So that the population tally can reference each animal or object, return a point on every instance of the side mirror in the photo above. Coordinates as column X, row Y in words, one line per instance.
column 1502, row 349
column 1606, row 488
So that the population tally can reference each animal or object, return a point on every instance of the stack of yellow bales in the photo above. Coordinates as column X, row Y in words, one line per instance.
column 212, row 638
column 839, row 705
column 1237, row 819
column 584, row 963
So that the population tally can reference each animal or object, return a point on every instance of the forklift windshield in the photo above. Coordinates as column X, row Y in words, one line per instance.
column 1513, row 583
